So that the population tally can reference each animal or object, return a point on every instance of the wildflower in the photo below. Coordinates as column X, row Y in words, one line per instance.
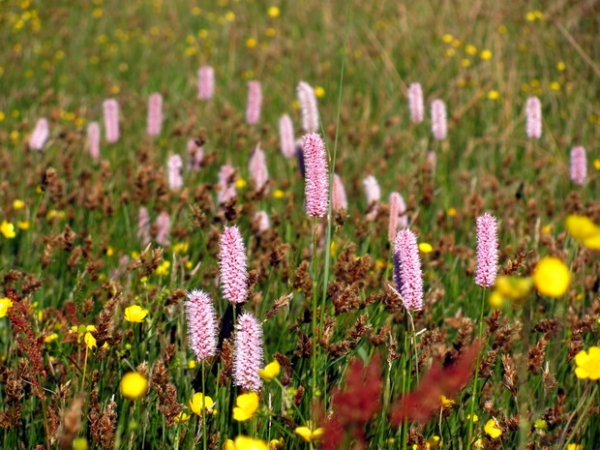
column 273, row 11
column 584, row 231
column 286, row 136
column 475, row 418
column 143, row 232
column 555, row 86
column 493, row 95
column 492, row 429
column 407, row 270
column 200, row 401
column 257, row 166
column 246, row 443
column 240, row 183
column 93, row 137
column 175, row 166
column 308, row 433
column 317, row 180
column 433, row 443
column 135, row 314
column 588, row 364
column 251, row 42
column 5, row 305
column 261, row 220
column 110, row 108
column 397, row 217
column 233, row 265
column 574, row 447
column 182, row 417
column 50, row 338
column 373, row 193
column 133, row 385
column 485, row 55
column 446, row 401
column 155, row 116
column 23, row 225
column 487, row 251
column 277, row 444
column 415, row 102
column 439, row 126
column 246, row 406
column 308, row 104
column 162, row 269
column 181, row 248
column 513, row 288
column 206, row 82
column 425, row 247
column 226, row 184
column 80, row 443
column 533, row 112
column 270, row 371
column 248, row 353
column 254, row 101
column 40, row 135
column 202, row 324
column 195, row 155
column 551, row 277
column 578, row 165
column 163, row 225
column 18, row 204
column 8, row 230
column 339, row 201
column 471, row 49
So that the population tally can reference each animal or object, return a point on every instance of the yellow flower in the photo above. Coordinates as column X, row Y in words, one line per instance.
column 229, row 16
column 135, row 313
column 574, row 447
column 465, row 62
column 584, row 231
column 446, row 401
column 514, row 288
column 273, row 11
column 5, row 304
column 246, row 406
column 551, row 277
column 80, row 443
column 588, row 364
column 85, row 332
column 18, row 204
column 597, row 163
column 555, row 86
column 229, row 445
column 277, row 444
column 485, row 55
column 251, row 42
column 246, row 443
column 191, row 364
column 425, row 247
column 452, row 212
column 182, row 417
column 475, row 418
column 471, row 49
column 51, row 337
column 181, row 247
column 278, row 193
column 7, row 229
column 90, row 340
column 133, row 385
column 496, row 300
column 240, row 183
column 447, row 38
column 163, row 269
column 492, row 429
column 319, row 91
column 434, row 442
column 493, row 95
column 198, row 401
column 110, row 251
column 271, row 371
column 308, row 434
column 23, row 225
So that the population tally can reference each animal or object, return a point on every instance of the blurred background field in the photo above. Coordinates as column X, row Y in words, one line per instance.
column 61, row 59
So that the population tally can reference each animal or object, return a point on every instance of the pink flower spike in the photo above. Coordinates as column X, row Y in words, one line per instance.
column 431, row 160
column 226, row 184
column 407, row 270
column 415, row 103
column 397, row 215
column 155, row 114
column 195, row 155
column 487, row 251
column 316, row 189
column 206, row 83
column 578, row 165
column 286, row 136
column 175, row 167
column 533, row 113
column 308, row 105
column 110, row 108
column 143, row 233
column 248, row 353
column 93, row 135
column 439, row 127
column 254, row 102
column 40, row 135
column 202, row 324
column 373, row 193
column 163, row 224
column 339, row 201
column 261, row 218
column 257, row 166
column 233, row 265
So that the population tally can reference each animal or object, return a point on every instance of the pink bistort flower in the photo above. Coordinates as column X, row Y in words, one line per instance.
column 206, row 82
column 202, row 324
column 110, row 108
column 308, row 105
column 155, row 116
column 316, row 188
column 339, row 201
column 40, row 135
column 286, row 136
column 578, row 165
column 226, row 184
column 257, row 166
column 143, row 232
column 398, row 218
column 93, row 135
column 439, row 126
column 195, row 155
column 407, row 270
column 487, row 251
column 533, row 116
column 254, row 102
column 415, row 103
column 175, row 168
column 248, row 353
column 233, row 265
column 163, row 225
column 373, row 193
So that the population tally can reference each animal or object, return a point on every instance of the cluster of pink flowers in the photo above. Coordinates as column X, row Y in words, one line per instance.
column 487, row 251
column 40, row 135
column 254, row 102
column 316, row 176
column 110, row 108
column 155, row 114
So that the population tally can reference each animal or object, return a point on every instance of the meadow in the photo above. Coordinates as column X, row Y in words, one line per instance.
column 181, row 268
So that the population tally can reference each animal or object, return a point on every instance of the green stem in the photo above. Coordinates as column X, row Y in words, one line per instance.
column 476, row 376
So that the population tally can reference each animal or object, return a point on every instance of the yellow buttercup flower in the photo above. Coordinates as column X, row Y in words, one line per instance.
column 246, row 406
column 5, row 304
column 7, row 229
column 270, row 371
column 513, row 288
column 278, row 193
column 135, row 314
column 584, row 231
column 425, row 247
column 133, row 385
column 50, row 338
column 551, row 277
column 446, row 401
column 247, row 443
column 85, row 332
column 492, row 429
column 18, row 204
column 23, row 225
column 277, row 444
column 198, row 401
column 588, row 364
column 308, row 434
column 182, row 417
column 319, row 91
column 273, row 11
column 433, row 442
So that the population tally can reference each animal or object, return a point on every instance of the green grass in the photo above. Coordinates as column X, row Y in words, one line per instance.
column 61, row 60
